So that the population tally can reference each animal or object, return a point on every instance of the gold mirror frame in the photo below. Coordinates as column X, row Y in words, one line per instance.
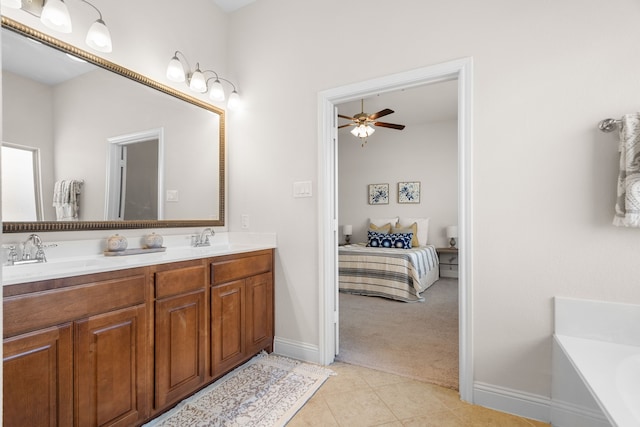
column 44, row 226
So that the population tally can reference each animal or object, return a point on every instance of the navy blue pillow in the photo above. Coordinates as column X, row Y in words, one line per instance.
column 394, row 240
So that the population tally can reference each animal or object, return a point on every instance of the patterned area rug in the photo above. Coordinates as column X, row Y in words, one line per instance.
column 268, row 390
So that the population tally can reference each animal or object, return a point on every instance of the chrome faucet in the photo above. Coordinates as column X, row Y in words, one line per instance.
column 203, row 238
column 28, row 255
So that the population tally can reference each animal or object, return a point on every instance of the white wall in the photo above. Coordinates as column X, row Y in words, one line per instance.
column 421, row 152
column 543, row 175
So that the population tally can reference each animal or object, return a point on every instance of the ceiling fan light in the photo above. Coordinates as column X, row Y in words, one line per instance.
column 55, row 15
column 216, row 92
column 369, row 130
column 99, row 37
column 175, row 70
column 198, row 82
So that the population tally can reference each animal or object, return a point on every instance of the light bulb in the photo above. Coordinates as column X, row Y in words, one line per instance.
column 55, row 15
column 234, row 101
column 216, row 92
column 197, row 82
column 99, row 37
column 175, row 70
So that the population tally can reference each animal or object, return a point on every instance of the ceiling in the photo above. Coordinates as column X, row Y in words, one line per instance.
column 29, row 58
column 434, row 102
column 232, row 5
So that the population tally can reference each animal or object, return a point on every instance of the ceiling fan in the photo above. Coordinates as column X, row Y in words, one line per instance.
column 363, row 122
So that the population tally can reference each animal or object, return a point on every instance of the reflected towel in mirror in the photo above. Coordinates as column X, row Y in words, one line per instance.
column 66, row 200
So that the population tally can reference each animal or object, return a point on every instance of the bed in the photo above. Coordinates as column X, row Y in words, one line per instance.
column 399, row 274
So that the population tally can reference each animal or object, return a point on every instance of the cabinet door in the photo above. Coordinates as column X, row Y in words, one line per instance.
column 109, row 369
column 227, row 326
column 38, row 378
column 180, row 346
column 259, row 313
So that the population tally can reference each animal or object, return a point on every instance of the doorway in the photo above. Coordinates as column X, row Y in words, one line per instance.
column 418, row 339
column 21, row 186
column 327, row 182
column 135, row 177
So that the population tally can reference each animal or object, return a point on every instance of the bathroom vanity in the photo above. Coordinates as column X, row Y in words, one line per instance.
column 119, row 347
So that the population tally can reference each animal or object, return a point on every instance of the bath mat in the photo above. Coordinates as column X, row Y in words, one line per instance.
column 266, row 391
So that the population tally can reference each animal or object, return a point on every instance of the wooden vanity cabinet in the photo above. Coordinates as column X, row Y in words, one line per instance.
column 74, row 351
column 118, row 348
column 241, row 308
column 180, row 330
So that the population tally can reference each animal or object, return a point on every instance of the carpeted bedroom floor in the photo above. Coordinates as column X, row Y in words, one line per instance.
column 415, row 340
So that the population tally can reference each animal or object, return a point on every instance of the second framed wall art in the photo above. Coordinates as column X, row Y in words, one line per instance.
column 409, row 192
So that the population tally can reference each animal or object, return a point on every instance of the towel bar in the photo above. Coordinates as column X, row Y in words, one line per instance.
column 608, row 125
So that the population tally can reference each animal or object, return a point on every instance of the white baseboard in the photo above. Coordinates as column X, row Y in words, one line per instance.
column 536, row 407
column 511, row 401
column 565, row 414
column 296, row 350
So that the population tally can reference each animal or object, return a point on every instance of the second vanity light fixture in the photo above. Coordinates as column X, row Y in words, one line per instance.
column 55, row 15
column 198, row 82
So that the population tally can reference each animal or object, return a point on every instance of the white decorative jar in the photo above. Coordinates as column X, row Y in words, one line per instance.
column 117, row 243
column 153, row 240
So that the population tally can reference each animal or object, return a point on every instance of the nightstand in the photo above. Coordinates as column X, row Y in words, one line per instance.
column 448, row 262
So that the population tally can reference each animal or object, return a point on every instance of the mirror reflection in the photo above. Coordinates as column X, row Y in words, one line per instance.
column 93, row 145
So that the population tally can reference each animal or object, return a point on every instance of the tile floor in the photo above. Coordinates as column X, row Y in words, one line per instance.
column 360, row 396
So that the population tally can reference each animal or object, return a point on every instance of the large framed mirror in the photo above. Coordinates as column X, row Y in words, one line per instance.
column 103, row 147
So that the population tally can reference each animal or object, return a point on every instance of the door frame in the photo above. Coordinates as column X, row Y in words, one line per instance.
column 460, row 69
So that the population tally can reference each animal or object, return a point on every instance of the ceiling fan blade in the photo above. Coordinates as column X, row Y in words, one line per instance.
column 344, row 126
column 381, row 113
column 345, row 117
column 389, row 125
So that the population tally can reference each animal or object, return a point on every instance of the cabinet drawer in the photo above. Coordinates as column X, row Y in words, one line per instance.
column 179, row 281
column 28, row 312
column 225, row 270
column 448, row 258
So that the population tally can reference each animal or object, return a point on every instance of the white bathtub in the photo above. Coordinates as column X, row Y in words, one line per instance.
column 611, row 373
column 596, row 372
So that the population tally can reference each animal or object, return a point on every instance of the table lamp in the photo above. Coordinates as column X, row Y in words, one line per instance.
column 452, row 235
column 347, row 230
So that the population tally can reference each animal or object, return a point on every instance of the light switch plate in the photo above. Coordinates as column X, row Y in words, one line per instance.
column 173, row 196
column 302, row 189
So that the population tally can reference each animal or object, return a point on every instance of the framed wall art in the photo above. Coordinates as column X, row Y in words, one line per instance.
column 378, row 194
column 409, row 192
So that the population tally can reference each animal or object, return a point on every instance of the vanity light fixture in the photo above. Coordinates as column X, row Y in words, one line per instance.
column 55, row 15
column 197, row 81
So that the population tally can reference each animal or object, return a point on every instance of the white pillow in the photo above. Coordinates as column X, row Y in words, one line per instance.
column 423, row 227
column 382, row 221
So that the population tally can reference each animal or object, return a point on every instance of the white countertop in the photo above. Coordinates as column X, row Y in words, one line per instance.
column 67, row 259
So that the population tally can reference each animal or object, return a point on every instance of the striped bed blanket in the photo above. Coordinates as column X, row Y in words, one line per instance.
column 400, row 274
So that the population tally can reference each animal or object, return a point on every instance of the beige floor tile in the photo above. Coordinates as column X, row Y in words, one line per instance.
column 315, row 413
column 346, row 380
column 436, row 419
column 377, row 378
column 478, row 416
column 410, row 399
column 358, row 408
